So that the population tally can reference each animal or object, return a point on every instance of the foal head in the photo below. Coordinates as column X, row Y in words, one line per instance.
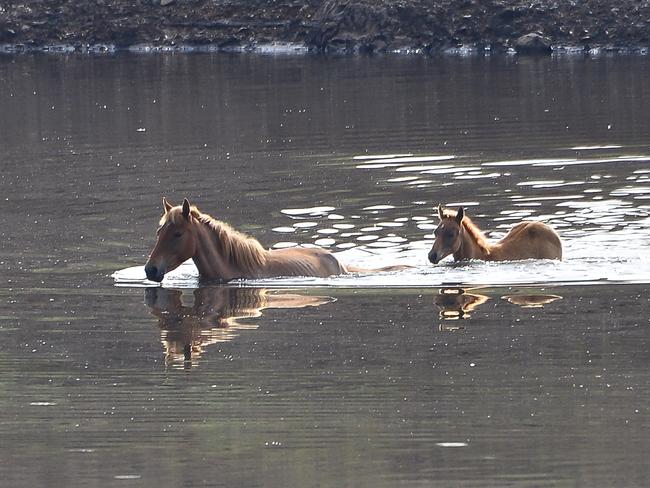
column 448, row 234
column 176, row 241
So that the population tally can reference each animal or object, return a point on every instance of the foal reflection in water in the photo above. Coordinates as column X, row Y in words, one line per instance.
column 214, row 316
column 459, row 236
column 459, row 303
column 223, row 254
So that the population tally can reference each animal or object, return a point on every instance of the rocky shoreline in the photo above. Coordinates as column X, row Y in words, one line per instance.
column 326, row 26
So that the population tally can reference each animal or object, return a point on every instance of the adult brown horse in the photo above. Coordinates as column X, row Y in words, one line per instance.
column 459, row 236
column 223, row 254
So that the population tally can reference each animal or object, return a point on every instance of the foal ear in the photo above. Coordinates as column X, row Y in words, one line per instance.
column 166, row 205
column 440, row 212
column 460, row 215
column 186, row 208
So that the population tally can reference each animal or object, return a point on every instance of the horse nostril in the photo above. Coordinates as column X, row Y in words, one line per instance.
column 433, row 257
column 151, row 272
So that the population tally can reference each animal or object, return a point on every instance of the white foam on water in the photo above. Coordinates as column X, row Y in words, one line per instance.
column 411, row 159
column 529, row 162
column 381, row 156
column 325, row 242
column 619, row 159
column 284, row 245
column 311, row 211
column 425, row 168
column 379, row 207
column 595, row 148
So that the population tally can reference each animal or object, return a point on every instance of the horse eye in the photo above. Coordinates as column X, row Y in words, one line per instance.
column 178, row 234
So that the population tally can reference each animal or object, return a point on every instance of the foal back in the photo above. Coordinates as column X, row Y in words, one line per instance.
column 528, row 240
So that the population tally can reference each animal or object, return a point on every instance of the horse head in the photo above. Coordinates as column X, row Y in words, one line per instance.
column 448, row 234
column 176, row 241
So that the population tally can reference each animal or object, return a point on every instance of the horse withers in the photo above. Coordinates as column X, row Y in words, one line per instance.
column 459, row 236
column 223, row 254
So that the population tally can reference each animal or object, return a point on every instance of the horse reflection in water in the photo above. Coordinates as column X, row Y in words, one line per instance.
column 214, row 316
column 458, row 303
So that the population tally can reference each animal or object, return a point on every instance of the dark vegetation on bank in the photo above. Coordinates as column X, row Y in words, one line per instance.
column 348, row 26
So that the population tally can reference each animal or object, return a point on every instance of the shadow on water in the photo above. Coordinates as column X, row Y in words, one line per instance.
column 214, row 314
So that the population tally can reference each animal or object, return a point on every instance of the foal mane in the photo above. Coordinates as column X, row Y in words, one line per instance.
column 471, row 228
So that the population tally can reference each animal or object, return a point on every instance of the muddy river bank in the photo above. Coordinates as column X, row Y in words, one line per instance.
column 334, row 26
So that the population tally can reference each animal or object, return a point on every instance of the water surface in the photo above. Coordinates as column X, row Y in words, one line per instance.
column 501, row 374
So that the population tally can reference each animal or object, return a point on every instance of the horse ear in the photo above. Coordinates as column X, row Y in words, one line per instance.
column 166, row 205
column 440, row 212
column 460, row 215
column 186, row 208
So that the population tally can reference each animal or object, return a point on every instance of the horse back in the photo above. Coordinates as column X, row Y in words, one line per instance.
column 303, row 261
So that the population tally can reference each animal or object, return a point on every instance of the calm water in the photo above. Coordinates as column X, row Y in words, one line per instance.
column 525, row 374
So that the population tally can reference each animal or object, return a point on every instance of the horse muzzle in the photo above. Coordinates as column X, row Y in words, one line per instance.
column 154, row 273
column 434, row 257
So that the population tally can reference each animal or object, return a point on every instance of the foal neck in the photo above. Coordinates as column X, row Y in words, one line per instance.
column 474, row 244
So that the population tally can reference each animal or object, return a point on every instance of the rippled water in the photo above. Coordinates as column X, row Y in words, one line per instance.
column 602, row 217
column 473, row 374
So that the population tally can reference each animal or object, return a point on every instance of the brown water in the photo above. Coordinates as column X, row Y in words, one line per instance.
column 526, row 374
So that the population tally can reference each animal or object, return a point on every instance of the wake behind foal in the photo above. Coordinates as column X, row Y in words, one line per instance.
column 459, row 236
column 221, row 253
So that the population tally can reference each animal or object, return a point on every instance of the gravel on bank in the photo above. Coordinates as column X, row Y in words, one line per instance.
column 331, row 26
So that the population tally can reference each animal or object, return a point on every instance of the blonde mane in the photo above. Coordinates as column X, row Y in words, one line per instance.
column 471, row 228
column 241, row 250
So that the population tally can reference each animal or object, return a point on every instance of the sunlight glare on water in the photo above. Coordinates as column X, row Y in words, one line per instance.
column 600, row 240
column 604, row 239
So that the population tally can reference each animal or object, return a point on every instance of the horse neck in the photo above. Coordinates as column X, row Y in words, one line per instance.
column 224, row 254
column 474, row 244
